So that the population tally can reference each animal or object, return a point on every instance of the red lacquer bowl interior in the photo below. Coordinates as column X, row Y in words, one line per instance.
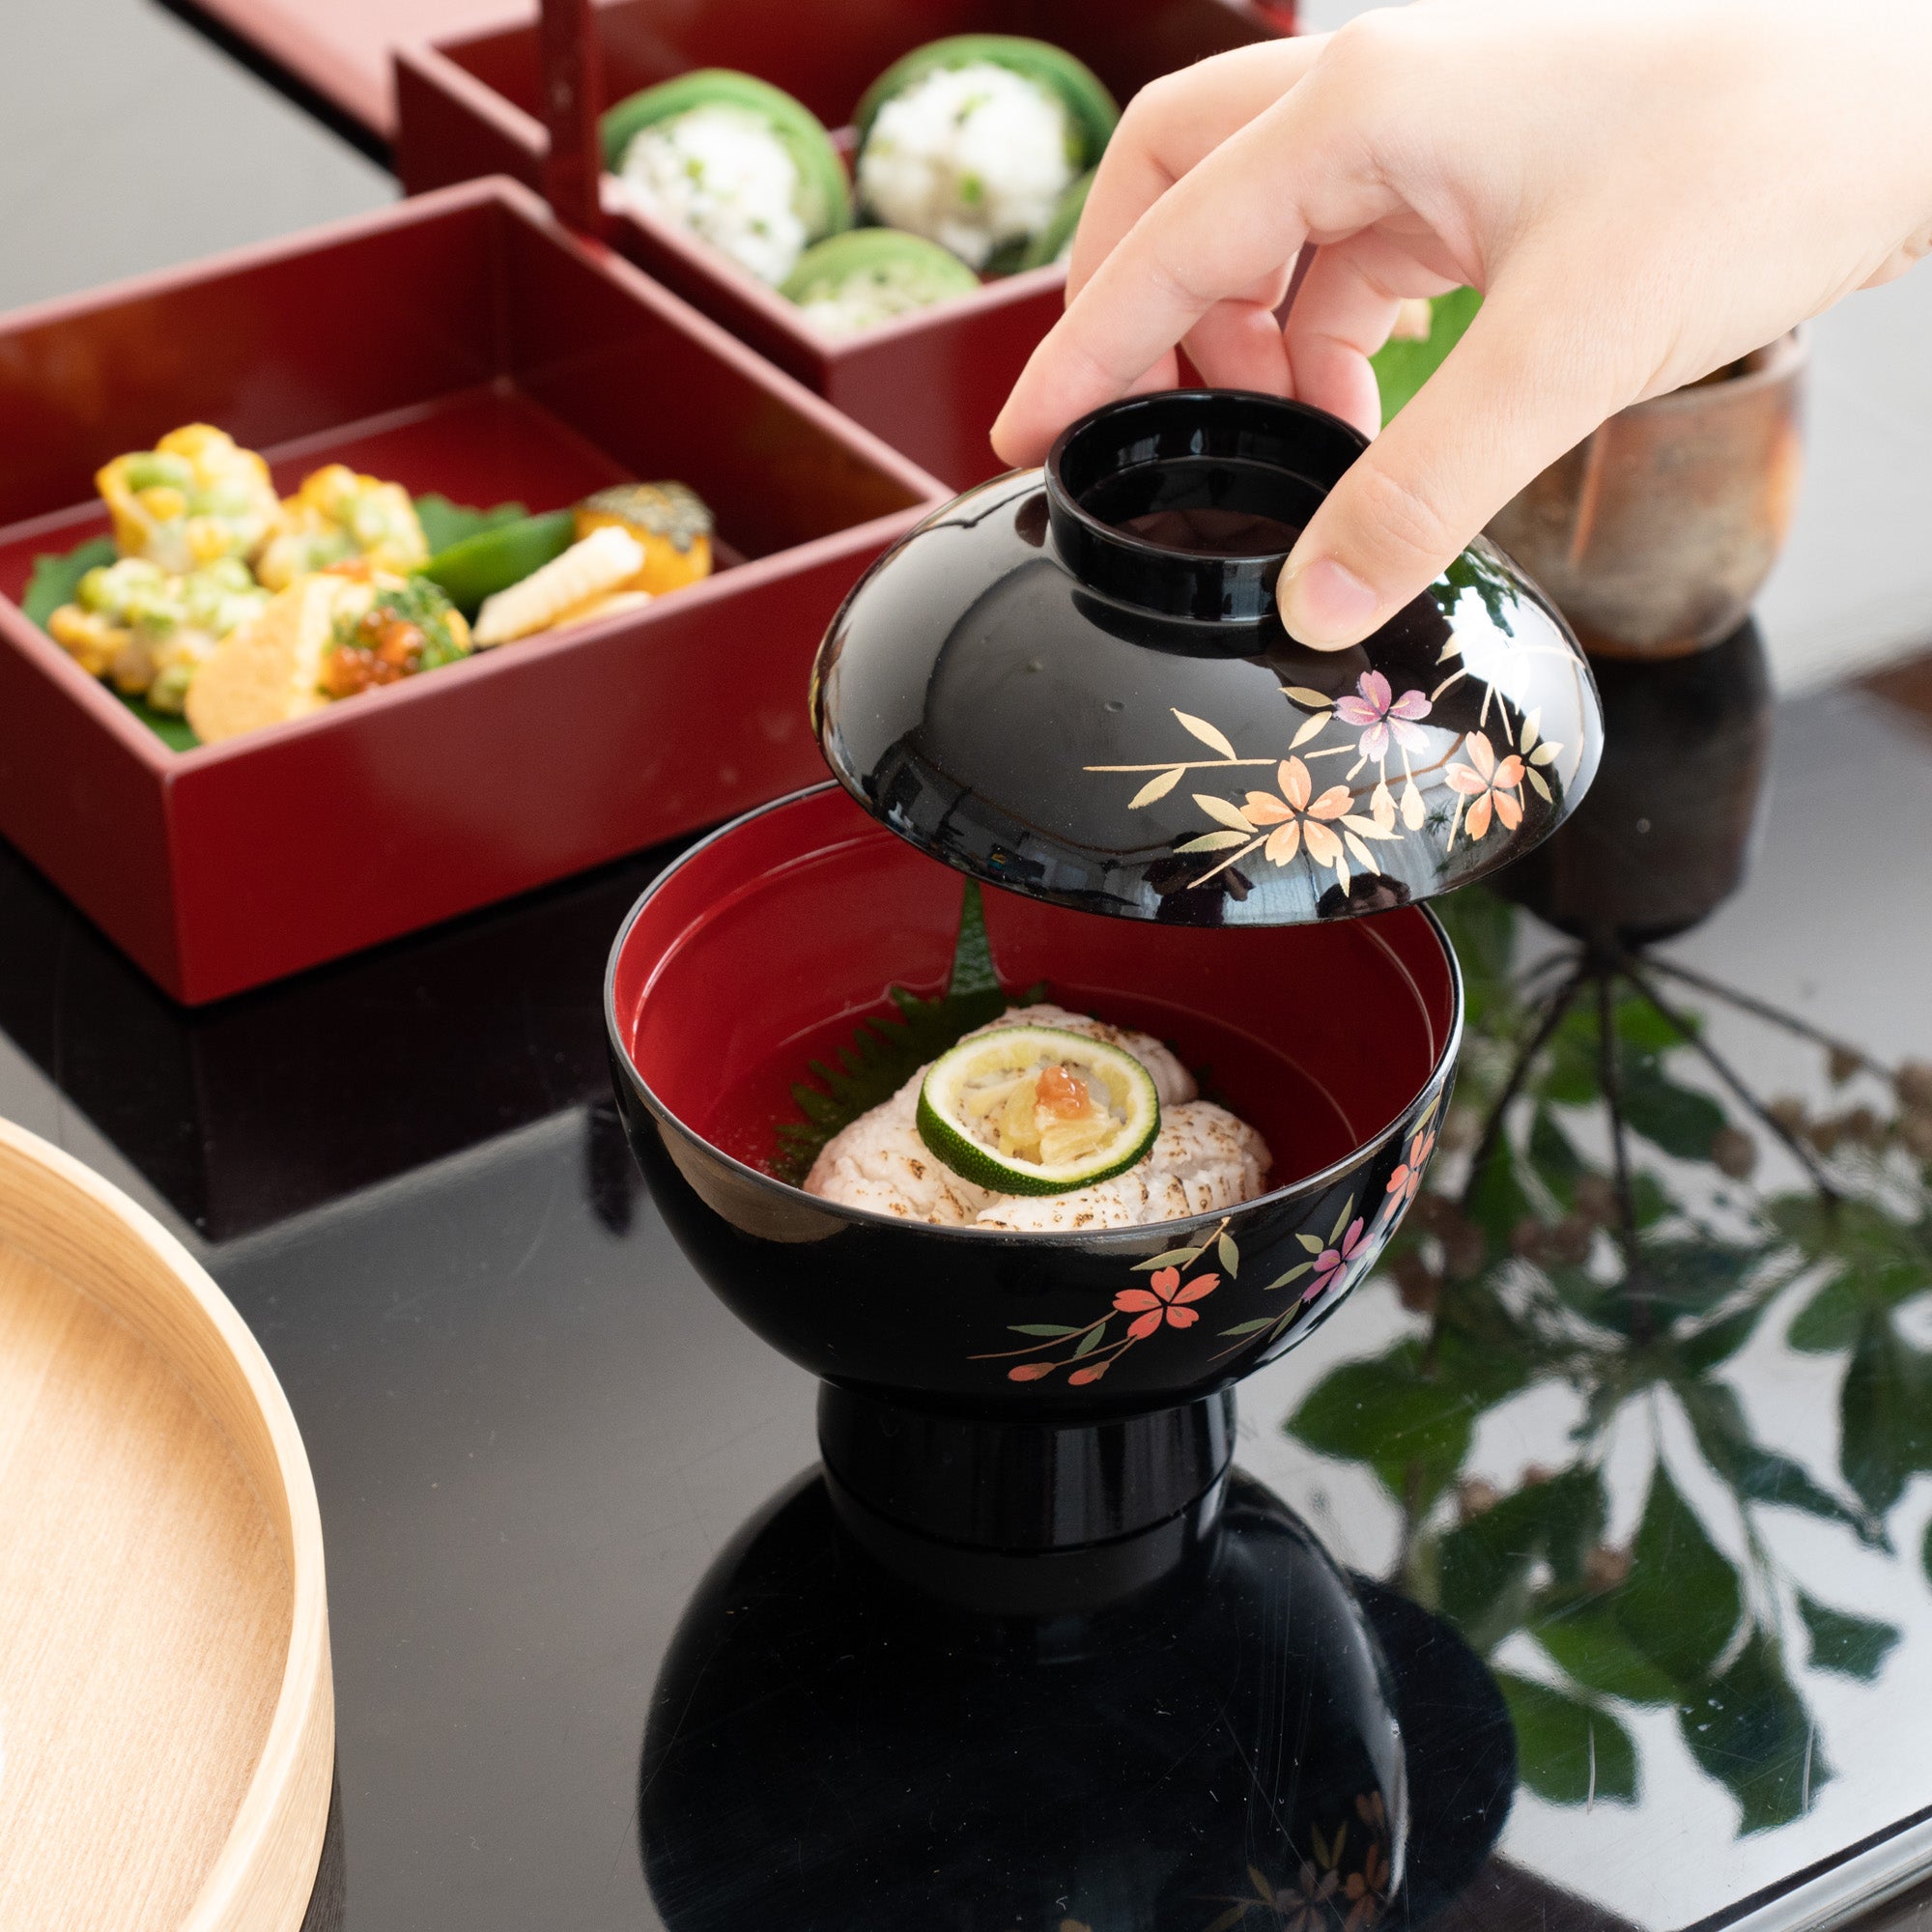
column 763, row 948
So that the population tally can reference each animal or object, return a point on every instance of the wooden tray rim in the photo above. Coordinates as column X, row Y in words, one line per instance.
column 262, row 1878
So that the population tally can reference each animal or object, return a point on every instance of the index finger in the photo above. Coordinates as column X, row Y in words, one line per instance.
column 1170, row 127
column 1302, row 168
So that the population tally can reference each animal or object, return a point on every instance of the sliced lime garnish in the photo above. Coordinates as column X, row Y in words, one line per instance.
column 1038, row 1110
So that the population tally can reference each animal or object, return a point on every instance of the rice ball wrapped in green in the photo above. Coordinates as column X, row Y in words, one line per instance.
column 732, row 161
column 973, row 140
column 853, row 282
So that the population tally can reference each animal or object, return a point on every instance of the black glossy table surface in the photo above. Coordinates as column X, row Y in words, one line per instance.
column 1661, row 1454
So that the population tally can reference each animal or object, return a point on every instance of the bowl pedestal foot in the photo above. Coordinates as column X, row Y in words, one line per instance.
column 1028, row 1519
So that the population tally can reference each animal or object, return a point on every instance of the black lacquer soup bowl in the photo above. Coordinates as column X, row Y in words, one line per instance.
column 762, row 947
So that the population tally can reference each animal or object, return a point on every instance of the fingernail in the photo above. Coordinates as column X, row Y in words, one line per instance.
column 1324, row 605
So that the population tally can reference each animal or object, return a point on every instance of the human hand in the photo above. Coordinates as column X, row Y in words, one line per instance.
column 1644, row 189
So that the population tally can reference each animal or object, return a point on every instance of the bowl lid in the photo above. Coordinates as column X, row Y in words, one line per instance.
column 1072, row 682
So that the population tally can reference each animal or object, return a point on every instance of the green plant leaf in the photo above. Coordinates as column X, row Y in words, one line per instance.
column 1572, row 1074
column 1484, row 1564
column 1586, row 1642
column 1641, row 1024
column 445, row 523
column 174, row 731
column 57, row 577
column 1692, row 1276
column 1682, row 1602
column 1052, row 1330
column 1249, row 1328
column 1411, row 1425
column 1889, row 1258
column 1755, row 1473
column 1230, row 1255
column 973, row 974
column 1830, row 1320
column 1852, row 1646
column 1751, row 1732
column 1649, row 1203
column 1679, row 1119
column 1402, row 367
column 1553, row 1156
column 1719, row 1341
column 1885, row 1411
column 1569, row 1752
column 1499, row 1203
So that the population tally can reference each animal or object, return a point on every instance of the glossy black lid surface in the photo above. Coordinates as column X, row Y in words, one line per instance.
column 1072, row 683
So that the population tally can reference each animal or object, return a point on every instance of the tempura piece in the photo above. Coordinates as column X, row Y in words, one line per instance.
column 336, row 515
column 193, row 499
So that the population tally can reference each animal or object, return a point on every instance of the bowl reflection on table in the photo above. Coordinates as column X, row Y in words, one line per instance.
column 760, row 950
column 1150, row 1767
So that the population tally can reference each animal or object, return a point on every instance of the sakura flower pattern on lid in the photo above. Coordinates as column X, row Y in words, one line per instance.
column 1072, row 683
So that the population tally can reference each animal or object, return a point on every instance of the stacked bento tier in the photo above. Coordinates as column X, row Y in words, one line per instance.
column 500, row 560
column 863, row 101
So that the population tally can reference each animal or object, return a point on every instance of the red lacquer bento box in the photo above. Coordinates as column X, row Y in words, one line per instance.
column 930, row 383
column 462, row 343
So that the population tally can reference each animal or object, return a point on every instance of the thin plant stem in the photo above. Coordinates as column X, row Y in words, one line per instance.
column 1614, row 1097
column 1492, row 1122
column 1724, row 1071
column 1764, row 1011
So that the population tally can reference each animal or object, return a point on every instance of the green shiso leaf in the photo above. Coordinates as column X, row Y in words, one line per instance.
column 884, row 1053
column 1402, row 367
column 172, row 730
column 57, row 579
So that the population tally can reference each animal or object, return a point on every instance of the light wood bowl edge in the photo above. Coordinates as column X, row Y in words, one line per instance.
column 91, row 1234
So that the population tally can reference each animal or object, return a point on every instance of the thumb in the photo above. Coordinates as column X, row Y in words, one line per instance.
column 1511, row 396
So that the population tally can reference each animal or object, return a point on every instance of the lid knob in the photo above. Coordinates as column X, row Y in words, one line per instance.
column 1188, row 504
